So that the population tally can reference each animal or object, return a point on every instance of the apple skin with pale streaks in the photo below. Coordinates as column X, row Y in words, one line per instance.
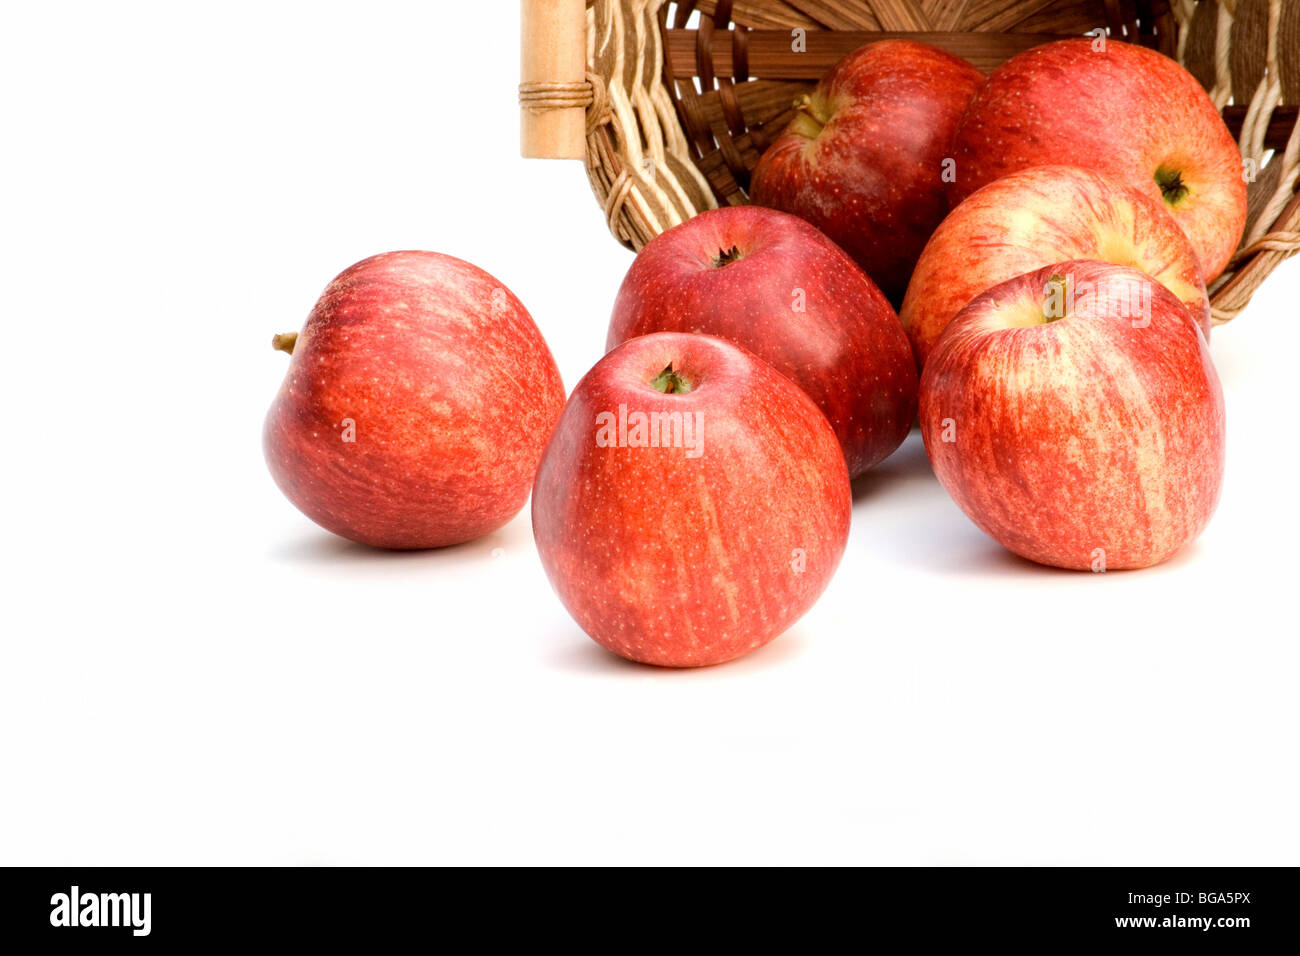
column 690, row 552
column 1091, row 441
column 1123, row 110
column 1037, row 216
column 443, row 383
column 775, row 285
column 863, row 159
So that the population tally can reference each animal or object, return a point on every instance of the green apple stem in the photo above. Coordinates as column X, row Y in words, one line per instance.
column 285, row 341
column 1171, row 184
column 671, row 382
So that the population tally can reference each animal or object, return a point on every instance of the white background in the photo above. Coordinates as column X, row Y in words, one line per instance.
column 192, row 672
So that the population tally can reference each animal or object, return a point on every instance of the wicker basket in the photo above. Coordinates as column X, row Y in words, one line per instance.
column 672, row 112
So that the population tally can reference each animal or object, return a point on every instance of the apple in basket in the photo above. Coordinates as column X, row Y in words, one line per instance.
column 864, row 158
column 1118, row 108
column 1037, row 216
column 692, row 504
column 1073, row 413
column 776, row 286
column 416, row 405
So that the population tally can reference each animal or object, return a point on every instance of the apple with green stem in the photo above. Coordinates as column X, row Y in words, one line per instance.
column 692, row 504
column 1123, row 110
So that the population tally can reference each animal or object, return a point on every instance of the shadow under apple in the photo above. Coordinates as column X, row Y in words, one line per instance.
column 576, row 653
column 907, row 467
column 319, row 547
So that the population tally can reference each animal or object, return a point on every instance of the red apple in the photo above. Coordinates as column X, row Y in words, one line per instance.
column 1074, row 414
column 1120, row 109
column 692, row 504
column 416, row 405
column 1035, row 217
column 775, row 285
column 863, row 159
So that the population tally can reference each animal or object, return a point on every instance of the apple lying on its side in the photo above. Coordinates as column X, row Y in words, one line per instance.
column 775, row 285
column 416, row 405
column 863, row 159
column 1074, row 414
column 1118, row 108
column 1033, row 218
column 692, row 503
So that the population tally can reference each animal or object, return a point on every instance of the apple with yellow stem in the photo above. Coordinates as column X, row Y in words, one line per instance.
column 1037, row 216
column 864, row 158
column 1074, row 414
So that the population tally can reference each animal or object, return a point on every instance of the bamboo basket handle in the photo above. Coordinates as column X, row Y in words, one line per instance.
column 553, row 90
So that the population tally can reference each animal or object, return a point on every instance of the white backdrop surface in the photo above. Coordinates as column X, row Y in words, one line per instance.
column 192, row 672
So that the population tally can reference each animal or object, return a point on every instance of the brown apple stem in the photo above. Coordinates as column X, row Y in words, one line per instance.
column 285, row 341
column 726, row 257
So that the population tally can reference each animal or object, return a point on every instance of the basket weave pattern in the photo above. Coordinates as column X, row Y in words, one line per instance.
column 678, row 115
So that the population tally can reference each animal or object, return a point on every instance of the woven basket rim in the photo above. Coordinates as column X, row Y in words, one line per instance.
column 663, row 146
